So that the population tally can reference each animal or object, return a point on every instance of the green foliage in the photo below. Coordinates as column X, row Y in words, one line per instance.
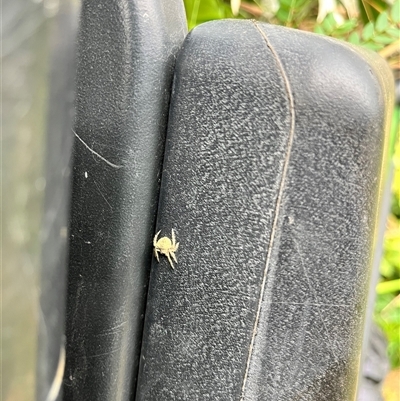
column 395, row 13
column 387, row 315
column 371, row 9
column 375, row 35
column 199, row 11
column 293, row 12
column 387, row 308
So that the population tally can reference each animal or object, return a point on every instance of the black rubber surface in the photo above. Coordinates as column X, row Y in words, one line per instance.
column 271, row 180
column 126, row 54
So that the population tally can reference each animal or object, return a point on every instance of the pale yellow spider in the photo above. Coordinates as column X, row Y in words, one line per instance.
column 166, row 247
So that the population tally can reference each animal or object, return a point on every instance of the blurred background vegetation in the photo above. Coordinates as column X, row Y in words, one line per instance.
column 375, row 25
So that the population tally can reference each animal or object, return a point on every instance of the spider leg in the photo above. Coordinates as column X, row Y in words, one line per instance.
column 156, row 255
column 155, row 238
column 173, row 237
column 170, row 261
column 176, row 246
column 173, row 256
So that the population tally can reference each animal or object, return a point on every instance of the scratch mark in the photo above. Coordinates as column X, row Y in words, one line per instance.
column 111, row 330
column 313, row 293
column 278, row 201
column 77, row 305
column 95, row 153
column 104, row 353
column 301, row 337
column 312, row 304
column 101, row 193
column 278, row 363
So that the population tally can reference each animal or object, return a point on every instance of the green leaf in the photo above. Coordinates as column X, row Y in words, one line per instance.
column 394, row 139
column 368, row 31
column 393, row 245
column 213, row 9
column 346, row 27
column 199, row 11
column 395, row 32
column 373, row 46
column 382, row 22
column 393, row 257
column 329, row 24
column 386, row 269
column 302, row 3
column 395, row 12
column 382, row 300
column 386, row 287
column 354, row 38
column 384, row 39
column 282, row 15
column 378, row 6
column 319, row 29
column 285, row 3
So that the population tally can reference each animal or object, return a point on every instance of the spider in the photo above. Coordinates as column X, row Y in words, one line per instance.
column 166, row 247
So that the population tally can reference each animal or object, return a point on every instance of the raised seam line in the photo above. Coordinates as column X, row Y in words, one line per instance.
column 278, row 201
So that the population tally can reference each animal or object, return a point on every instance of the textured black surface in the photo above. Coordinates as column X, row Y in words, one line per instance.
column 126, row 54
column 271, row 180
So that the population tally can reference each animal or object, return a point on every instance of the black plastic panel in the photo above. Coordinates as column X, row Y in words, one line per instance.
column 271, row 180
column 126, row 55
